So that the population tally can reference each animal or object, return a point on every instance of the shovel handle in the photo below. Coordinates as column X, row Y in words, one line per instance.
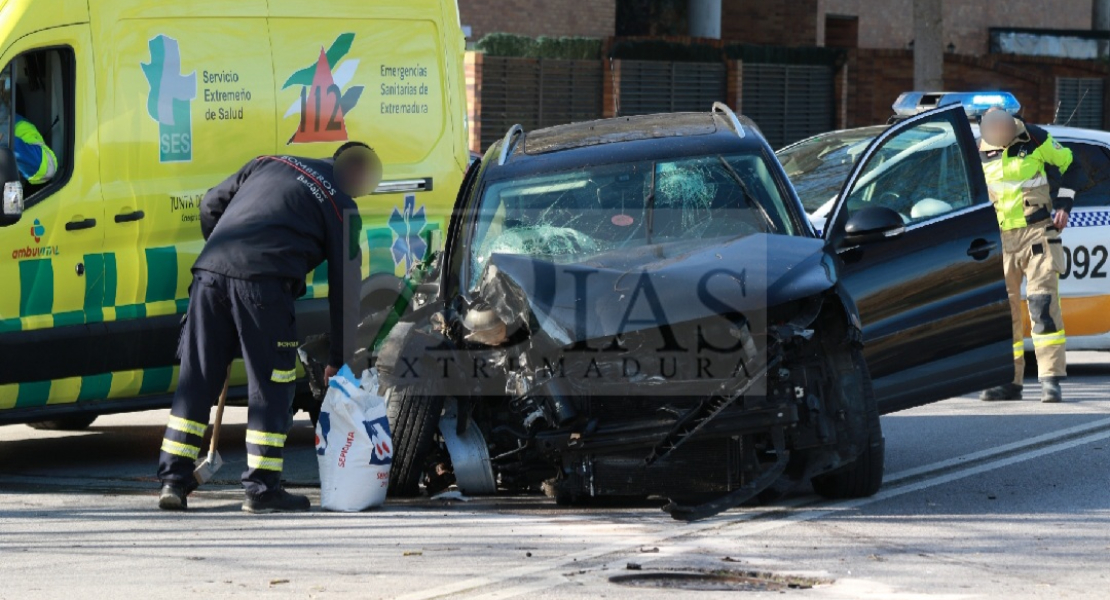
column 219, row 414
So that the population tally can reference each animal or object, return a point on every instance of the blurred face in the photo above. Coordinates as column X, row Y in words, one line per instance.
column 998, row 128
column 358, row 171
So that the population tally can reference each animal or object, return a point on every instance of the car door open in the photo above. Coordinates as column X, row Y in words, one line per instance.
column 921, row 256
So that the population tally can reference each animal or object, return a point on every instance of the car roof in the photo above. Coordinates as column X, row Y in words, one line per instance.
column 1062, row 132
column 616, row 130
column 620, row 139
column 1077, row 133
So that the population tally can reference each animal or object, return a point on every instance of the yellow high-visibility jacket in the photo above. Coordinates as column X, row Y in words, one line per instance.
column 1016, row 176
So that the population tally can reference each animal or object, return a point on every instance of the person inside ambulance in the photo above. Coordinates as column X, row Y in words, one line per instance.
column 37, row 162
column 265, row 228
column 1015, row 156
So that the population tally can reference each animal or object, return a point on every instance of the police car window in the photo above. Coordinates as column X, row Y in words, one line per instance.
column 818, row 166
column 921, row 174
column 1095, row 163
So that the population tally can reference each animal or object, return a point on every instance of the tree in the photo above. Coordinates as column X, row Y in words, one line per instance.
column 928, row 46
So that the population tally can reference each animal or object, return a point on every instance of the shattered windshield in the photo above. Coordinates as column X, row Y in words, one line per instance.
column 569, row 217
column 819, row 166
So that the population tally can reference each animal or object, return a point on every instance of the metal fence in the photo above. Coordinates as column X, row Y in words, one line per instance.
column 648, row 87
column 537, row 93
column 1080, row 101
column 788, row 102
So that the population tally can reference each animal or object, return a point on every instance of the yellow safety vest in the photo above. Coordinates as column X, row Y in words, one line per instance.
column 1016, row 176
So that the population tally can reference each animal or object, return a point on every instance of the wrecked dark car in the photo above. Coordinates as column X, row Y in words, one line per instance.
column 639, row 307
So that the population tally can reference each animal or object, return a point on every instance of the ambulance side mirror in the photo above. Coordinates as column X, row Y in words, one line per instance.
column 11, row 204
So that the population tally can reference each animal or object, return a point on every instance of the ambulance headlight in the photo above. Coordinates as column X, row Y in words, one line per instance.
column 13, row 199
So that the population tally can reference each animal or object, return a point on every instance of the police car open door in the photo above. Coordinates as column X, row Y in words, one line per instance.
column 922, row 257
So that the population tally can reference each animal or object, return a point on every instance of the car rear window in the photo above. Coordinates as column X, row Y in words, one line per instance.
column 1095, row 162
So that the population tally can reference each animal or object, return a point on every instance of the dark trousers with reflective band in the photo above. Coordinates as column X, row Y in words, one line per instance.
column 227, row 318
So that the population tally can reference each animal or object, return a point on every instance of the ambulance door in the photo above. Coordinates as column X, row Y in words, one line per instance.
column 377, row 73
column 52, row 267
column 192, row 101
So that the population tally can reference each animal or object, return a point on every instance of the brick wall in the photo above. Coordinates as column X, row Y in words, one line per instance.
column 875, row 77
column 770, row 22
column 889, row 23
column 593, row 18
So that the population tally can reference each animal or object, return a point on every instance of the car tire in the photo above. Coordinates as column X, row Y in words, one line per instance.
column 413, row 422
column 73, row 423
column 863, row 476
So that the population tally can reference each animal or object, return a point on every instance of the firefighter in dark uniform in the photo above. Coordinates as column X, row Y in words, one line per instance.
column 265, row 227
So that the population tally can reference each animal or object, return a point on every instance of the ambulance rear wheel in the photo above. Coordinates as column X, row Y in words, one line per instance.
column 74, row 423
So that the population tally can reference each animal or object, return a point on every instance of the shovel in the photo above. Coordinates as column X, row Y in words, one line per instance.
column 212, row 463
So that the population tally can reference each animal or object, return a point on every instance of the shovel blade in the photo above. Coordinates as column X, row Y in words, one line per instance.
column 207, row 469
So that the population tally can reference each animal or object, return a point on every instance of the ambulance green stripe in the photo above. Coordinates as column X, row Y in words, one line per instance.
column 94, row 288
column 161, row 274
column 95, row 387
column 36, row 287
column 320, row 275
column 109, row 279
column 11, row 325
column 34, row 393
column 156, row 380
column 73, row 317
column 381, row 256
column 130, row 311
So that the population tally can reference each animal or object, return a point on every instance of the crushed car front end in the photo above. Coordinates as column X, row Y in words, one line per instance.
column 633, row 310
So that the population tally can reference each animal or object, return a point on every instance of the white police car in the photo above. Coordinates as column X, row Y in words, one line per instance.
column 817, row 167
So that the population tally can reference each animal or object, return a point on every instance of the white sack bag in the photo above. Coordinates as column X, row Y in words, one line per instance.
column 353, row 445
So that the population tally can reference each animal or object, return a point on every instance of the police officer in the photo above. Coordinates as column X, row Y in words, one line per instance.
column 266, row 227
column 1014, row 157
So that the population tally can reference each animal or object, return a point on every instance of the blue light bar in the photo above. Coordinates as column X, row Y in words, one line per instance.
column 974, row 103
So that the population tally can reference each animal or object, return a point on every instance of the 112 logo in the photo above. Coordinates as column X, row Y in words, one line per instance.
column 323, row 103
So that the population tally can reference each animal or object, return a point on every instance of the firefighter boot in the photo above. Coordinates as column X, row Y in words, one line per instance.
column 1050, row 390
column 173, row 497
column 275, row 501
column 1009, row 391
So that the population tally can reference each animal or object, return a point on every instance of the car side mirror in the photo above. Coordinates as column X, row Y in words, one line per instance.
column 873, row 224
column 11, row 205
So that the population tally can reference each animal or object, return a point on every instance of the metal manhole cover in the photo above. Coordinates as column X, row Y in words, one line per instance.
column 714, row 582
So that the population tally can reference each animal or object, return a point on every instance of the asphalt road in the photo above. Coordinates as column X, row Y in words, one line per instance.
column 982, row 500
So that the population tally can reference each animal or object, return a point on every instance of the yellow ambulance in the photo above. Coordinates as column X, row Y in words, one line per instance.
column 145, row 105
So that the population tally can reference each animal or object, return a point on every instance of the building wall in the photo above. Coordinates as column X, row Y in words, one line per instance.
column 889, row 23
column 593, row 18
column 770, row 22
column 875, row 77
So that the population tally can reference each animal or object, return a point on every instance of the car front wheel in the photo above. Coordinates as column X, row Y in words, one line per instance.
column 413, row 421
column 863, row 476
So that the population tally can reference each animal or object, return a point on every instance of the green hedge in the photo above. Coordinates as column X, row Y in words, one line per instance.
column 520, row 46
column 785, row 56
column 665, row 51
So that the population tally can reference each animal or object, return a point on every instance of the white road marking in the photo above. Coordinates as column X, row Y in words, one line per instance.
column 747, row 525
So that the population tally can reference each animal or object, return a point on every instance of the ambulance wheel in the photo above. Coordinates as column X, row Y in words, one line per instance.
column 74, row 423
column 413, row 422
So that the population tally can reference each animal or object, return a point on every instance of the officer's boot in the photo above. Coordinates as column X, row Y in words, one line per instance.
column 275, row 501
column 1050, row 390
column 1009, row 391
